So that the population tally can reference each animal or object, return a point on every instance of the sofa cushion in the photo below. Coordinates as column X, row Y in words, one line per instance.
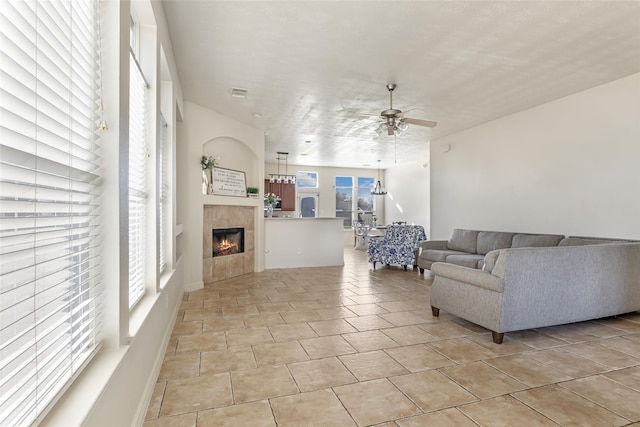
column 463, row 240
column 500, row 267
column 467, row 260
column 436, row 255
column 491, row 240
column 582, row 241
column 490, row 260
column 535, row 240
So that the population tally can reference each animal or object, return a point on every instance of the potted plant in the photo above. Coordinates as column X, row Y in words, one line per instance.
column 269, row 200
column 207, row 163
column 253, row 192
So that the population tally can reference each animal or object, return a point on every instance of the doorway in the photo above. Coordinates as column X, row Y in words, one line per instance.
column 308, row 205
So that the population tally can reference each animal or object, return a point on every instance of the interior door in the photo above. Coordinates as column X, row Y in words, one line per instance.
column 308, row 205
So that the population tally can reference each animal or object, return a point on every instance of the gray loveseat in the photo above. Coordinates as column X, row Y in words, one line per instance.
column 531, row 287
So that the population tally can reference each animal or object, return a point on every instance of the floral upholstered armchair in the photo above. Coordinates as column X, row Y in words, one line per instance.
column 398, row 246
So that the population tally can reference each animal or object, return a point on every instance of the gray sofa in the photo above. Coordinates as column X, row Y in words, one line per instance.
column 469, row 247
column 531, row 287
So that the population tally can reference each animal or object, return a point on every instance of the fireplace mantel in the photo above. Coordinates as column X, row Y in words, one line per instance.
column 215, row 200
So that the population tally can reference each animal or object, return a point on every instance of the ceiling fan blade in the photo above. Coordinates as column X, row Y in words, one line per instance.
column 404, row 113
column 389, row 130
column 419, row 122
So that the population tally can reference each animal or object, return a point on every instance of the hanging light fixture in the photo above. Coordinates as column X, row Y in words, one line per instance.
column 286, row 178
column 379, row 188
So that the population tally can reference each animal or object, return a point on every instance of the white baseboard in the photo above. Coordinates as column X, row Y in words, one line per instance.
column 194, row 286
column 141, row 413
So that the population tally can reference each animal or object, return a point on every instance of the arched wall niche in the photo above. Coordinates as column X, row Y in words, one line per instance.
column 233, row 154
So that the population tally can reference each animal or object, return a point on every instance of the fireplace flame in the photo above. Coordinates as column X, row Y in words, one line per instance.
column 228, row 241
column 226, row 247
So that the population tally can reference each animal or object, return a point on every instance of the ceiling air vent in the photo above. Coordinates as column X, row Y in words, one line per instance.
column 238, row 93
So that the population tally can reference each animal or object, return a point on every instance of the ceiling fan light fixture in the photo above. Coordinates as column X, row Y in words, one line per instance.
column 395, row 121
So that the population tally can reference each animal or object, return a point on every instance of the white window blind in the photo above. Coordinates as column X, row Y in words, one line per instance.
column 163, row 214
column 138, row 155
column 50, row 290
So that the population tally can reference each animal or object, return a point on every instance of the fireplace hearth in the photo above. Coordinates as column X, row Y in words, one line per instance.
column 228, row 241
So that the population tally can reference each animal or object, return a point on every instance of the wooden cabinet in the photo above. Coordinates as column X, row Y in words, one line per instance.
column 272, row 187
column 288, row 196
column 287, row 193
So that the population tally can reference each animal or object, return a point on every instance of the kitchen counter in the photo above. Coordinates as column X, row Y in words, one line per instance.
column 303, row 242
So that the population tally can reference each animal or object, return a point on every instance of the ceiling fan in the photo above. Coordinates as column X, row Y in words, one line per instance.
column 394, row 120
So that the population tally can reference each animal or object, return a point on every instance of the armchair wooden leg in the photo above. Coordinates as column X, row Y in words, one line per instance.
column 422, row 271
column 374, row 265
column 497, row 337
column 435, row 311
column 405, row 267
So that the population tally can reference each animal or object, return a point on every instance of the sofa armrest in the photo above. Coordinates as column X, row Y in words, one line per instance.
column 433, row 244
column 565, row 284
column 471, row 276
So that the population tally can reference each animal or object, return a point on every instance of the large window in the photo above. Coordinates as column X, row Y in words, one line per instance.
column 50, row 289
column 352, row 201
column 344, row 199
column 138, row 155
column 306, row 179
column 365, row 198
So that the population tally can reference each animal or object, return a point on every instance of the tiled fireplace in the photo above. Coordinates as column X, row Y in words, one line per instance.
column 232, row 228
column 228, row 241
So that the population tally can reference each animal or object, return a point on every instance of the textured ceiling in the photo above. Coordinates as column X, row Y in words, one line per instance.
column 316, row 70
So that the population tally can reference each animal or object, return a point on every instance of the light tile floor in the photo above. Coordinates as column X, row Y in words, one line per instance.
column 353, row 346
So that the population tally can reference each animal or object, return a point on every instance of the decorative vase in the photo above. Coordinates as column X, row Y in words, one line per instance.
column 205, row 181
column 269, row 210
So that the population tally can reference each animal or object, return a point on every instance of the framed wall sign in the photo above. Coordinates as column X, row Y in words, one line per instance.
column 228, row 182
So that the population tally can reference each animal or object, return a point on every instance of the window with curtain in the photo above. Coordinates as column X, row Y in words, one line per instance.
column 50, row 288
column 164, row 186
column 138, row 156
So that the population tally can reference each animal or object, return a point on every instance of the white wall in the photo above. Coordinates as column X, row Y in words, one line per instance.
column 570, row 167
column 234, row 155
column 408, row 194
column 203, row 126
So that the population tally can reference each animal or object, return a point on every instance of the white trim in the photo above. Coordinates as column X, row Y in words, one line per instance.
column 147, row 395
column 194, row 286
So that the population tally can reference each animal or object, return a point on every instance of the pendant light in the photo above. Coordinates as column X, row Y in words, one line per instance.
column 378, row 189
column 286, row 178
